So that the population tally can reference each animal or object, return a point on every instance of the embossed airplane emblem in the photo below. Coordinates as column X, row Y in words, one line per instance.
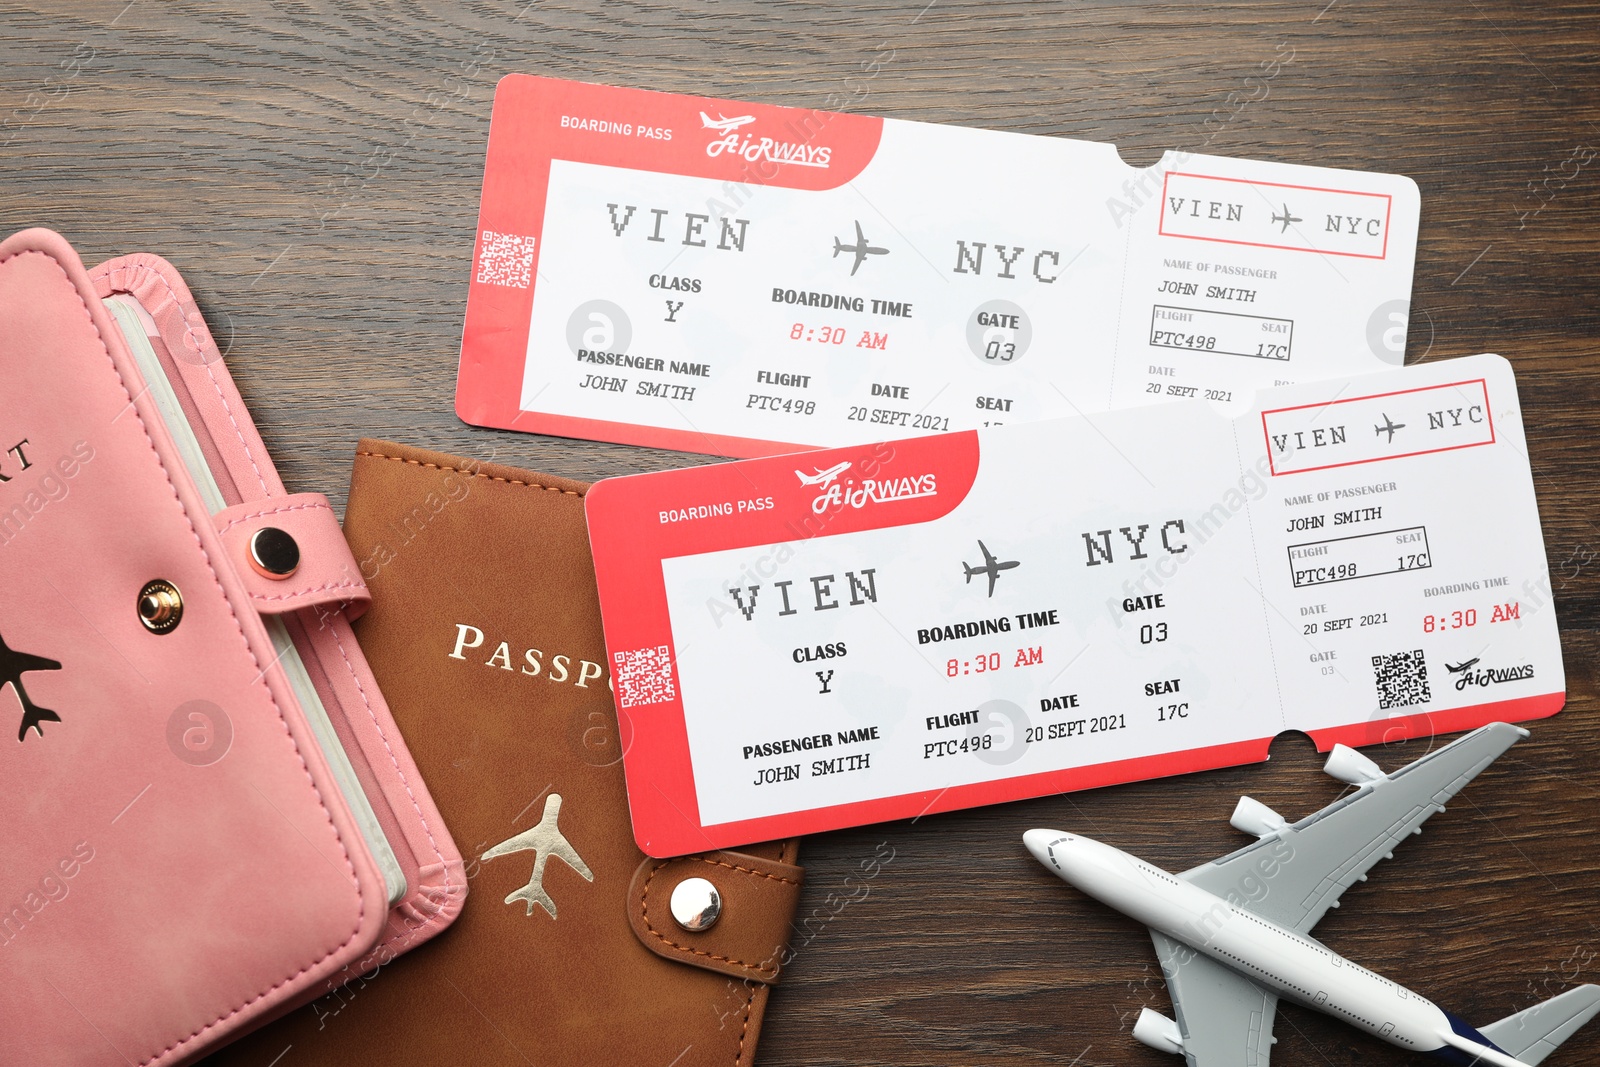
column 822, row 478
column 1460, row 667
column 13, row 665
column 1286, row 219
column 991, row 566
column 547, row 840
column 861, row 249
column 1389, row 426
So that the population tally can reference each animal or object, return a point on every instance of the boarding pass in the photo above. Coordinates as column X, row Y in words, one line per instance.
column 742, row 279
column 832, row 638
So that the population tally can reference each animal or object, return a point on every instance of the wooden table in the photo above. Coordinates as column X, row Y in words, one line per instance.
column 313, row 170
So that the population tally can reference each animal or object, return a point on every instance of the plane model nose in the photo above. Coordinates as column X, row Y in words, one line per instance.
column 1039, row 842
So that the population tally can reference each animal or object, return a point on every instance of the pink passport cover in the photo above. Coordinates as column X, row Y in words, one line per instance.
column 172, row 881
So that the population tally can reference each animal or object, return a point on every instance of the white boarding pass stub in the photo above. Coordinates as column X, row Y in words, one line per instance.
column 826, row 639
column 746, row 280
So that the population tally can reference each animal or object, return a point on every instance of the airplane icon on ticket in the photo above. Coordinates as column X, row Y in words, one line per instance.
column 725, row 125
column 1388, row 426
column 861, row 249
column 991, row 567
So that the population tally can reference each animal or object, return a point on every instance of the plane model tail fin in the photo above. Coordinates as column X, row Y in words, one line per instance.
column 1533, row 1034
column 971, row 570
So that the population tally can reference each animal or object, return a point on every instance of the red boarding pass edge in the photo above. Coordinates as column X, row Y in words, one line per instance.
column 525, row 134
column 662, row 798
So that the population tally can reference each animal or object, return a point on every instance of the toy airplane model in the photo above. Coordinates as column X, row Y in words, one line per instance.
column 1231, row 934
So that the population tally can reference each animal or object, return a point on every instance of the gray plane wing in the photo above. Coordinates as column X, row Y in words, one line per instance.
column 1293, row 875
column 1226, row 1019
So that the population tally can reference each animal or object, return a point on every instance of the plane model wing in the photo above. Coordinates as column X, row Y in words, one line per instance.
column 1295, row 872
column 1226, row 1019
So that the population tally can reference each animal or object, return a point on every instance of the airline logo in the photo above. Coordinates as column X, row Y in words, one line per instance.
column 834, row 492
column 754, row 149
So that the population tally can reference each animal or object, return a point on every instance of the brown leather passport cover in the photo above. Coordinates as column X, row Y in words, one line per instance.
column 484, row 632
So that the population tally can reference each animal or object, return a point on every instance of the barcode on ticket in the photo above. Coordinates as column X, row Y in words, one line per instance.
column 505, row 259
column 644, row 676
column 1402, row 679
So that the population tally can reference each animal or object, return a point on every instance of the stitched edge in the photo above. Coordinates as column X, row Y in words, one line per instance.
column 475, row 474
column 361, row 906
column 644, row 894
column 645, row 891
column 742, row 870
column 439, row 855
column 416, row 805
column 644, row 910
column 744, row 1031
column 749, row 1004
column 325, row 587
column 254, row 514
column 211, row 374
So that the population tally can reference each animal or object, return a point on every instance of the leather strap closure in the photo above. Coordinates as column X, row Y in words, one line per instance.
column 326, row 572
column 750, row 938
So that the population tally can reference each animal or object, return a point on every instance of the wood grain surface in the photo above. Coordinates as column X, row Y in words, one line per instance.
column 313, row 166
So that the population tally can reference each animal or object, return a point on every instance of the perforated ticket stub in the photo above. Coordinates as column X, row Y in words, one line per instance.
column 820, row 640
column 747, row 280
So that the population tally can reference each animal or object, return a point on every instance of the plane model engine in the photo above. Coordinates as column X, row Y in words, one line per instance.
column 1158, row 1031
column 1348, row 765
column 1254, row 817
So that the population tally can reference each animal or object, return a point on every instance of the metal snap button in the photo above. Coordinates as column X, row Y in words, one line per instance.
column 273, row 553
column 696, row 904
column 160, row 606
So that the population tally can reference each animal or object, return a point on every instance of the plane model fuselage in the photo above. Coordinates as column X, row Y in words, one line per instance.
column 1292, row 965
column 1233, row 935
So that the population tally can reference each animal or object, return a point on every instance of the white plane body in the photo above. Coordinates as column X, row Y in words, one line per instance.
column 1232, row 934
column 1293, row 966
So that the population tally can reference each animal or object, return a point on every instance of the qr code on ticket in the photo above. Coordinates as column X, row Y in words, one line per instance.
column 506, row 259
column 644, row 676
column 1402, row 679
